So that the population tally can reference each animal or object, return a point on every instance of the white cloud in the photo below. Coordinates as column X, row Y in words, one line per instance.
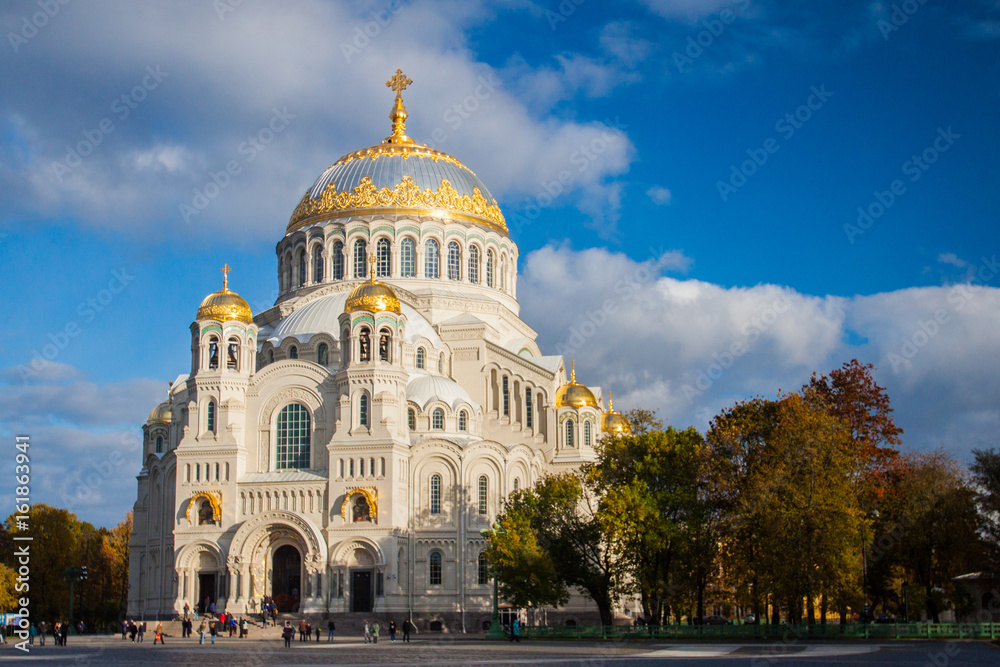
column 222, row 81
column 689, row 348
column 660, row 195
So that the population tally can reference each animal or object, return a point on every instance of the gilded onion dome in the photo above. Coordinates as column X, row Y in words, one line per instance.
column 161, row 414
column 575, row 395
column 373, row 296
column 399, row 176
column 225, row 305
column 614, row 422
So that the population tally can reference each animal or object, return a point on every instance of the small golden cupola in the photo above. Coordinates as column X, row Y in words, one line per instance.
column 573, row 394
column 373, row 296
column 614, row 422
column 162, row 413
column 225, row 305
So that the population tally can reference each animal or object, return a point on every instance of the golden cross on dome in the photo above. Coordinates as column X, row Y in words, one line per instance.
column 225, row 276
column 398, row 82
column 611, row 402
column 573, row 376
column 371, row 263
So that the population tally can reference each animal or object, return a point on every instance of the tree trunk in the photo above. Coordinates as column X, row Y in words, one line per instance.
column 932, row 609
column 811, row 610
column 822, row 609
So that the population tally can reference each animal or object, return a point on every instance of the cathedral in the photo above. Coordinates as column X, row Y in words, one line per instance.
column 345, row 450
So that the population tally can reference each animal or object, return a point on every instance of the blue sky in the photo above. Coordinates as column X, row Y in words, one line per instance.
column 673, row 282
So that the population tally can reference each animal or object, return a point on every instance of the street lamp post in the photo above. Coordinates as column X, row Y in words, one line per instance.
column 906, row 609
column 74, row 574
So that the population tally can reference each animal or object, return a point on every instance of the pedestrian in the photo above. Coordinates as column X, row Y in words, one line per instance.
column 124, row 629
column 42, row 629
column 515, row 631
column 406, row 630
column 65, row 633
column 243, row 628
column 213, row 629
column 201, row 631
column 330, row 628
column 212, row 607
column 274, row 614
column 32, row 633
column 141, row 631
column 58, row 631
column 159, row 633
column 187, row 609
column 133, row 630
column 288, row 633
column 232, row 625
column 368, row 633
column 375, row 629
column 302, row 630
column 392, row 630
column 309, row 631
column 317, row 631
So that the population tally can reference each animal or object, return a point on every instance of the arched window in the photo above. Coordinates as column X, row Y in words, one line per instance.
column 381, row 466
column 233, row 354
column 364, row 410
column 293, row 352
column 502, row 282
column 569, row 433
column 361, row 467
column 517, row 484
column 484, row 487
column 159, row 444
column 340, row 468
column 431, row 259
column 383, row 259
column 270, row 356
column 408, row 258
column 454, row 261
column 323, row 354
column 441, row 363
column 302, row 267
column 473, row 264
column 483, row 570
column 463, row 420
column 197, row 472
column 411, row 419
column 435, row 568
column 350, row 468
column 216, row 472
column 371, row 466
column 293, row 439
column 384, row 344
column 420, row 358
column 365, row 341
column 586, row 434
column 527, row 408
column 318, row 265
column 435, row 494
column 337, row 263
column 489, row 268
column 360, row 259
column 506, row 396
column 213, row 353
column 437, row 419
column 210, row 417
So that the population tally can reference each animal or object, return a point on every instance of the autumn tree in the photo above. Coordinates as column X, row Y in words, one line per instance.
column 525, row 573
column 651, row 497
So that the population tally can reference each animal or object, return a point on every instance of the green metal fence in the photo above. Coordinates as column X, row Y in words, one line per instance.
column 769, row 632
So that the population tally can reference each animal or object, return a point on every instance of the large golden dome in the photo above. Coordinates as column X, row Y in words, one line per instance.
column 225, row 305
column 614, row 422
column 399, row 176
column 575, row 395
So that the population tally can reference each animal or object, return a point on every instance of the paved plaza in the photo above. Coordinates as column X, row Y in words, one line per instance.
column 100, row 651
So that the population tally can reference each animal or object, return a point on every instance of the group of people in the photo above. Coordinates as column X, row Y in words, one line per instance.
column 372, row 630
column 60, row 630
column 137, row 631
column 268, row 610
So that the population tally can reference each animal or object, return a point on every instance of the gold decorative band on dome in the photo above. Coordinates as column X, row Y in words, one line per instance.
column 215, row 500
column 371, row 495
column 406, row 151
column 407, row 195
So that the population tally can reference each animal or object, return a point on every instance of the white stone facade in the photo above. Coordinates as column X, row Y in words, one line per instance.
column 411, row 448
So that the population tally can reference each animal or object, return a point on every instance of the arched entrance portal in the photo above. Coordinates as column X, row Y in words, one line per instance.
column 286, row 581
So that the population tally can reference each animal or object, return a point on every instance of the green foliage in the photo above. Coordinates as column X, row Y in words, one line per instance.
column 61, row 541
